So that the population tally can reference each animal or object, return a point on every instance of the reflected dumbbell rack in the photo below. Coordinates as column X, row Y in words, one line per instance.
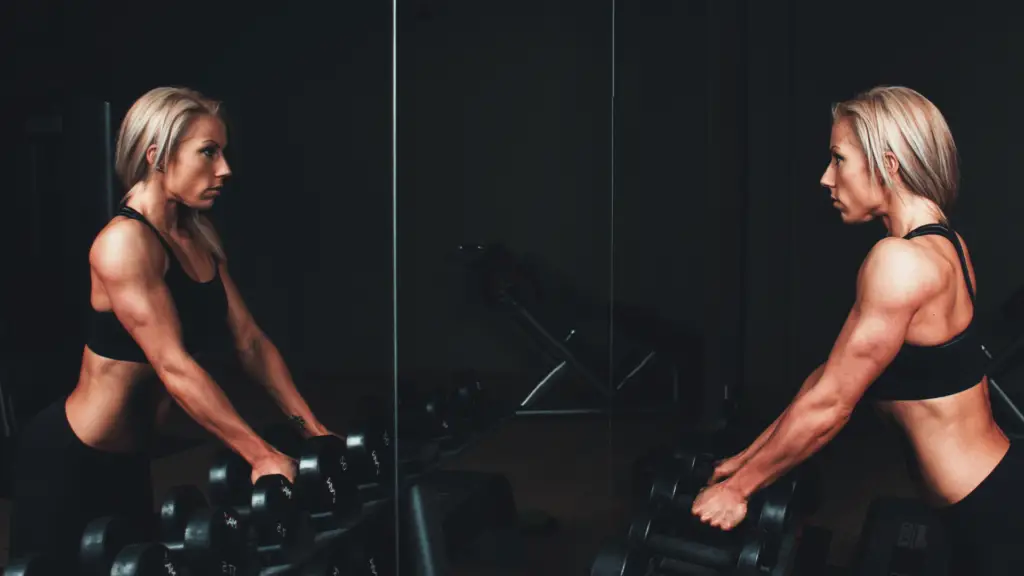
column 446, row 515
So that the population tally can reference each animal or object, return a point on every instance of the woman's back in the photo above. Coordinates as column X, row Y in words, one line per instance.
column 955, row 439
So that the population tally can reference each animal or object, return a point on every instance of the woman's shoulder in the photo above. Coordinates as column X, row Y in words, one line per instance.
column 125, row 243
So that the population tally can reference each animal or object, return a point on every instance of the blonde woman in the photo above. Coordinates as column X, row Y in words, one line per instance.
column 909, row 344
column 162, row 304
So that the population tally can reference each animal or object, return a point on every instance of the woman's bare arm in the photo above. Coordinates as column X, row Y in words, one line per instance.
column 129, row 263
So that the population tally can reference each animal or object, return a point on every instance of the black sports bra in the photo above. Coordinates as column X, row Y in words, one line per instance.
column 202, row 311
column 922, row 372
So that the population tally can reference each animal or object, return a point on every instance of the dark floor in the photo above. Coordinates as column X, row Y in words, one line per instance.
column 578, row 471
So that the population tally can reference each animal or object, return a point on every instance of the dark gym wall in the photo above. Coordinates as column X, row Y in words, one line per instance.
column 680, row 198
column 307, row 217
column 504, row 136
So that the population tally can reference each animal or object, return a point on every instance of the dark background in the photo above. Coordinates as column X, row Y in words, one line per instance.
column 692, row 193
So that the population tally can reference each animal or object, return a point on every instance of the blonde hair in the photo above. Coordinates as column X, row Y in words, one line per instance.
column 902, row 121
column 162, row 117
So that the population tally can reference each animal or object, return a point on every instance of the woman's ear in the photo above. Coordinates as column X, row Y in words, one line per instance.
column 892, row 164
column 151, row 158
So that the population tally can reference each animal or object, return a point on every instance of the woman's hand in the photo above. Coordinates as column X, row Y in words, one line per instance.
column 720, row 506
column 274, row 462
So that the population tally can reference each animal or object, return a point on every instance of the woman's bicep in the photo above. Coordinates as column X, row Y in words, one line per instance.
column 132, row 278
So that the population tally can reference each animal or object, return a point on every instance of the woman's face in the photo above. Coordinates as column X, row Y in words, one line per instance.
column 196, row 173
column 854, row 192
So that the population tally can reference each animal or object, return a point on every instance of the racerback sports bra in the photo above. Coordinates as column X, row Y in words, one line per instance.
column 202, row 311
column 922, row 372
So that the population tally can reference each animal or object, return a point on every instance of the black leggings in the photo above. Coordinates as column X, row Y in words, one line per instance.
column 61, row 485
column 985, row 529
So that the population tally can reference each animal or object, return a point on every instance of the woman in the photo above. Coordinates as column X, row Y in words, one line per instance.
column 909, row 343
column 163, row 305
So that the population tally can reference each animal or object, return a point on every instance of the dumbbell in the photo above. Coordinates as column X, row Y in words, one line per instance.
column 152, row 559
column 324, row 487
column 372, row 453
column 207, row 540
column 618, row 560
column 746, row 556
column 769, row 510
column 692, row 466
column 102, row 540
column 269, row 507
column 369, row 442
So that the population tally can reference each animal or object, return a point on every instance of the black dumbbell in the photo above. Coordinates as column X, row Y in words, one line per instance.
column 324, row 486
column 102, row 540
column 692, row 467
column 152, row 559
column 746, row 556
column 769, row 511
column 695, row 467
column 370, row 447
column 369, row 443
column 207, row 540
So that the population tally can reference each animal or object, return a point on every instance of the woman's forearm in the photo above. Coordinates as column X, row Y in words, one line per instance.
column 265, row 364
column 205, row 402
column 760, row 441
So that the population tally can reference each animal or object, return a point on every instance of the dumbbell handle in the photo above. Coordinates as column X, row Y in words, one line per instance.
column 755, row 510
column 712, row 556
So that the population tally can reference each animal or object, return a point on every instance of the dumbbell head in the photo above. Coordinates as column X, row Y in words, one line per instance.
column 372, row 453
column 695, row 467
column 751, row 560
column 145, row 560
column 229, row 480
column 665, row 490
column 102, row 540
column 213, row 538
column 179, row 504
column 325, row 484
column 640, row 528
column 619, row 560
column 273, row 509
column 772, row 512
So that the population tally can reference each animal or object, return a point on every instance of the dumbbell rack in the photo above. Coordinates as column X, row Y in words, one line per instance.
column 794, row 551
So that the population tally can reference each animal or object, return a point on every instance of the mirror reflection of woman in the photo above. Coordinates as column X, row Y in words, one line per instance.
column 162, row 302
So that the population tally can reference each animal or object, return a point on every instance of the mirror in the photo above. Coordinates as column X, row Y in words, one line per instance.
column 504, row 270
column 305, row 223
